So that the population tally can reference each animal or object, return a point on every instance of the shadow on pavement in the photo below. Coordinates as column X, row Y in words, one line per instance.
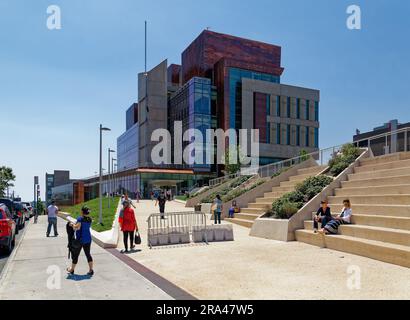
column 78, row 277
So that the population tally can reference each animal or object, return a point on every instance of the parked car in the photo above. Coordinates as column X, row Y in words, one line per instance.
column 21, row 212
column 7, row 229
column 29, row 209
column 16, row 212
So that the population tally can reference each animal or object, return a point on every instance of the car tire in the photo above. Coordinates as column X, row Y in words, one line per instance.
column 9, row 248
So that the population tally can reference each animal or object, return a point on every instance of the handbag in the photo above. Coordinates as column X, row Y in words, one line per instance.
column 137, row 238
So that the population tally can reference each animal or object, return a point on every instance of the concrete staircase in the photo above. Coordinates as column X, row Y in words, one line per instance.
column 248, row 215
column 379, row 191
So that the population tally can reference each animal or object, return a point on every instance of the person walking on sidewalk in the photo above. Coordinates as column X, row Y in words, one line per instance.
column 52, row 211
column 83, row 240
column 128, row 225
column 138, row 195
column 217, row 205
column 161, row 200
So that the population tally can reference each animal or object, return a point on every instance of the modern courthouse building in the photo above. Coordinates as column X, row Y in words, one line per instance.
column 223, row 82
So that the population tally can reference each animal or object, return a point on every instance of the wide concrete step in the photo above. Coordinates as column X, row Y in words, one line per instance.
column 375, row 182
column 380, row 159
column 401, row 237
column 301, row 177
column 261, row 205
column 376, row 209
column 282, row 190
column 378, row 250
column 291, row 184
column 383, row 166
column 266, row 199
column 312, row 170
column 397, row 199
column 253, row 210
column 401, row 223
column 374, row 190
column 274, row 194
column 379, row 174
column 241, row 222
column 247, row 216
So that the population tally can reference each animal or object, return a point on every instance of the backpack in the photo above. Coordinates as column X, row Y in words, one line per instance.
column 73, row 243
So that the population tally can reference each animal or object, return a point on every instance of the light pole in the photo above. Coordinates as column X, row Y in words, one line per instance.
column 100, row 186
column 109, row 176
column 113, row 173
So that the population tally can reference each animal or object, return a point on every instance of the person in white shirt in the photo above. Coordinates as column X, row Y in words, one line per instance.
column 52, row 211
column 344, row 218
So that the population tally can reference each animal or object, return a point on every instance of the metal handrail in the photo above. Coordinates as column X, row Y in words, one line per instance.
column 277, row 166
column 383, row 135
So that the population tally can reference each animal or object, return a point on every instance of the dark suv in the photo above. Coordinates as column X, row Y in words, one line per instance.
column 7, row 229
column 16, row 211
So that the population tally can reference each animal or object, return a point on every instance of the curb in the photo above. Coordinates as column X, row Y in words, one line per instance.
column 12, row 255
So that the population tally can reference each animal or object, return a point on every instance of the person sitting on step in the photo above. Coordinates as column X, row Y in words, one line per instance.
column 344, row 218
column 323, row 215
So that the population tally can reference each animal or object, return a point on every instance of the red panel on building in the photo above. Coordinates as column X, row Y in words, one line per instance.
column 174, row 74
column 210, row 47
column 259, row 114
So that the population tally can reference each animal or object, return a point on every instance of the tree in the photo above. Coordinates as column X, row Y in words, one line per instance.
column 40, row 206
column 6, row 179
column 233, row 159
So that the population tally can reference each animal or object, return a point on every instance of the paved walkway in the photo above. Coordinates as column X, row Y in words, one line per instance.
column 254, row 268
column 26, row 275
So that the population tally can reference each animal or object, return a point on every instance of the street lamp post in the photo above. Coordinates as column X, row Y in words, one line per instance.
column 100, row 186
column 113, row 174
column 109, row 176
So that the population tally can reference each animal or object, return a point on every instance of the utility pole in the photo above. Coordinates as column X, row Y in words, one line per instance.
column 109, row 176
column 100, row 184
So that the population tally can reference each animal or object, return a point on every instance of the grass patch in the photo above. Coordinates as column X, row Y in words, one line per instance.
column 107, row 213
column 182, row 198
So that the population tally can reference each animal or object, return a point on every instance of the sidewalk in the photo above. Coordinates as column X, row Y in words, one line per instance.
column 26, row 275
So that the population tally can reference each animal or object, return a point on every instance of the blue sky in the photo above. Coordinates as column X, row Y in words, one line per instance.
column 57, row 86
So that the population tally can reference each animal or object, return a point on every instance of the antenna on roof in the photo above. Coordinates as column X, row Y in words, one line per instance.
column 145, row 73
column 145, row 46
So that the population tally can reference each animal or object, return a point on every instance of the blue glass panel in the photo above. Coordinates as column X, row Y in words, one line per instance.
column 298, row 135
column 288, row 135
column 278, row 106
column 307, row 109
column 307, row 137
column 278, row 133
column 316, row 110
column 298, row 108
column 288, row 106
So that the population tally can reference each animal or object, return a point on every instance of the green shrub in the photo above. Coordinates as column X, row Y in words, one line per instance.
column 240, row 191
column 291, row 202
column 341, row 161
column 231, row 187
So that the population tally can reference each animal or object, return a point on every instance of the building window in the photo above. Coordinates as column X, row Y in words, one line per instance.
column 268, row 132
column 316, row 137
column 278, row 133
column 278, row 106
column 307, row 137
column 298, row 108
column 298, row 135
column 307, row 109
column 268, row 104
column 316, row 110
column 288, row 135
column 288, row 106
